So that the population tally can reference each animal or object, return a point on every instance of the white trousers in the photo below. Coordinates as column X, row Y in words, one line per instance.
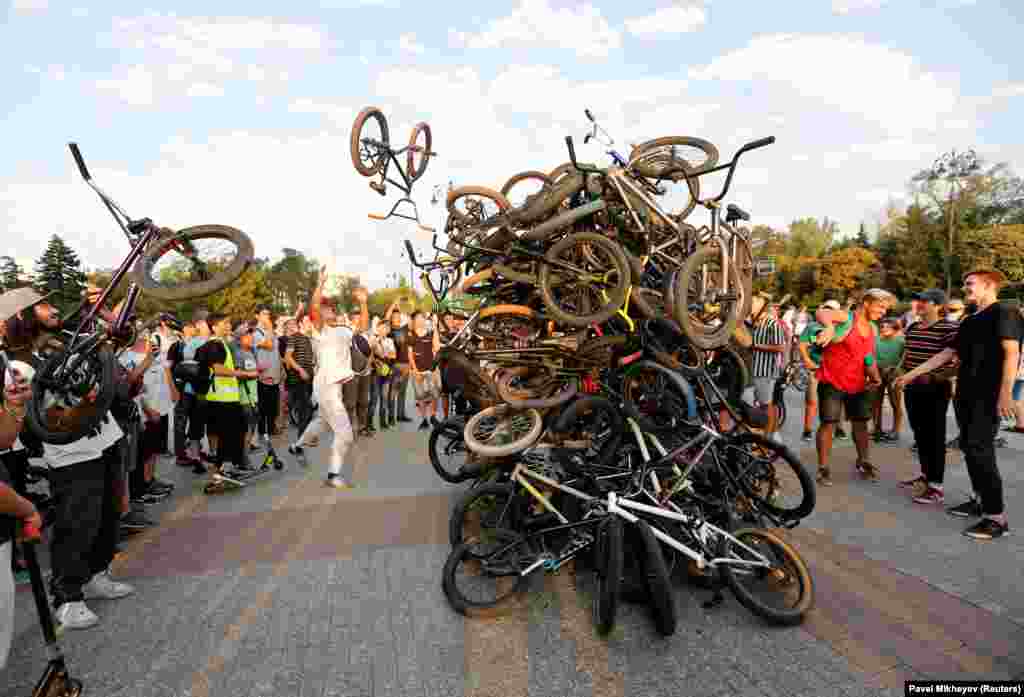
column 6, row 602
column 331, row 415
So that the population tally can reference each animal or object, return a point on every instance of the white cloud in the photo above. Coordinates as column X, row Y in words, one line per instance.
column 407, row 43
column 667, row 21
column 179, row 53
column 29, row 5
column 845, row 7
column 132, row 85
column 844, row 73
column 583, row 30
column 1010, row 90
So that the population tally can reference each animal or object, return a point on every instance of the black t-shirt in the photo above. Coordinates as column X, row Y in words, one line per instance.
column 212, row 353
column 978, row 345
column 400, row 337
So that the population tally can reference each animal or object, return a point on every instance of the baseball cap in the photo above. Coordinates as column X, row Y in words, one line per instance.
column 933, row 295
column 14, row 301
column 831, row 305
column 996, row 274
column 878, row 294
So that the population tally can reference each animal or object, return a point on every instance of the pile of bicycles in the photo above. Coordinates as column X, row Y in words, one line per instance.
column 589, row 329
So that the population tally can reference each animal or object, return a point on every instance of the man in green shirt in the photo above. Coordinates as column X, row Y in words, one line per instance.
column 889, row 347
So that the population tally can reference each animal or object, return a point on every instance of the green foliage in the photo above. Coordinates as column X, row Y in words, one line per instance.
column 292, row 279
column 10, row 273
column 809, row 238
column 59, row 271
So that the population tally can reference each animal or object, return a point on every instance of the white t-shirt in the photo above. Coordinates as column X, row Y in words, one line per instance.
column 83, row 449
column 155, row 394
column 334, row 357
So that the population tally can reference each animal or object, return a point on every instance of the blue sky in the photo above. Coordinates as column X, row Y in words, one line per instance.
column 240, row 113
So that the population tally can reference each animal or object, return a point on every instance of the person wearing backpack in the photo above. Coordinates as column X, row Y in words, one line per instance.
column 357, row 390
column 381, row 379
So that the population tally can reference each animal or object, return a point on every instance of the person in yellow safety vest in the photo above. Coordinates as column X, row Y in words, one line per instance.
column 225, row 417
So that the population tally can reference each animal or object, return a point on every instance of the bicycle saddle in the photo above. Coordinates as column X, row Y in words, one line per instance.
column 756, row 417
column 734, row 213
column 378, row 187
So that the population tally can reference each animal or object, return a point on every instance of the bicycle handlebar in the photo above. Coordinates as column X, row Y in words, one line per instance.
column 589, row 115
column 731, row 166
column 412, row 254
column 79, row 161
column 572, row 158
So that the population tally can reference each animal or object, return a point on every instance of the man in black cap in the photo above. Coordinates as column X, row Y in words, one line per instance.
column 928, row 397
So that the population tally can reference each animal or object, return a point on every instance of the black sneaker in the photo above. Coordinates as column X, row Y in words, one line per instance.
column 404, row 419
column 424, row 425
column 133, row 520
column 841, row 434
column 824, row 477
column 151, row 497
column 807, row 437
column 296, row 450
column 199, row 468
column 987, row 529
column 890, row 437
column 159, row 485
column 967, row 509
column 434, row 421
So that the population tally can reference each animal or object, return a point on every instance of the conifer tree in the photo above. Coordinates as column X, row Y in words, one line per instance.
column 59, row 271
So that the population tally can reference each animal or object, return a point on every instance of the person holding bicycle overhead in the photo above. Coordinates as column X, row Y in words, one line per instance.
column 335, row 369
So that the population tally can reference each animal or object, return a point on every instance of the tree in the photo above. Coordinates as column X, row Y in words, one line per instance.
column 1000, row 247
column 241, row 298
column 10, row 274
column 58, row 271
column 945, row 182
column 809, row 238
column 292, row 279
column 844, row 271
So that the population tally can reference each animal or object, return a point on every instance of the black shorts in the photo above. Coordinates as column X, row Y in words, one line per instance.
column 831, row 400
column 150, row 440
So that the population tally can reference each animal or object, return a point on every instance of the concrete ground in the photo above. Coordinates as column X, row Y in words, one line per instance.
column 288, row 588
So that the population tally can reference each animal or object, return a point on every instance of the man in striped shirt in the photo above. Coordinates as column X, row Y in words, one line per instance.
column 769, row 343
column 928, row 396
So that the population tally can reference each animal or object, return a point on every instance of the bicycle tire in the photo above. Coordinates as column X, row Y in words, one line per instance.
column 600, row 349
column 505, row 449
column 353, row 141
column 540, row 206
column 677, row 383
column 195, row 289
column 668, row 292
column 688, row 274
column 410, row 155
column 616, row 297
column 508, row 394
column 650, row 147
column 563, row 423
column 563, row 220
column 523, row 176
column 798, row 567
column 451, row 430
column 513, row 274
column 659, row 585
column 731, row 363
column 460, row 515
column 457, row 193
column 39, row 422
column 479, row 277
column 466, row 606
column 610, row 563
column 807, row 486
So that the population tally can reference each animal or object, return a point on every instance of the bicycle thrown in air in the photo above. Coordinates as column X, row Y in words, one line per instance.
column 73, row 389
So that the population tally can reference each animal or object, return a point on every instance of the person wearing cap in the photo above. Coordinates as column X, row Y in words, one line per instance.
column 191, row 408
column 269, row 360
column 847, row 376
column 928, row 396
column 987, row 345
column 335, row 368
column 769, row 342
column 915, row 312
column 810, row 353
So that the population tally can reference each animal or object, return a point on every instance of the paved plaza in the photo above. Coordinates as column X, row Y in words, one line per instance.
column 290, row 589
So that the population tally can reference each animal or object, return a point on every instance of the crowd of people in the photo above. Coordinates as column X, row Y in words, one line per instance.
column 210, row 390
column 943, row 351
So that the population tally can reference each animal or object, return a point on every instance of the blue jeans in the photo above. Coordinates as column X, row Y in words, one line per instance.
column 380, row 394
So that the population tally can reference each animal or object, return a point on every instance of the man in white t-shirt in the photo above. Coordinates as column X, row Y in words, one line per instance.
column 334, row 369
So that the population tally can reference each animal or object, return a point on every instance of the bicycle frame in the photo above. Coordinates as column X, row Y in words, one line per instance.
column 405, row 186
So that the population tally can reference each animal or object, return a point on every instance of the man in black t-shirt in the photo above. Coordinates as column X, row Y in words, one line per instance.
column 988, row 347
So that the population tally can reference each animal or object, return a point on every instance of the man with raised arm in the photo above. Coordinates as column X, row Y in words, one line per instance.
column 335, row 369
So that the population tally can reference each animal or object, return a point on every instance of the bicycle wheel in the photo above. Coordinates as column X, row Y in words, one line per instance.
column 59, row 411
column 447, row 449
column 782, row 593
column 193, row 263
column 521, row 188
column 653, row 157
column 595, row 422
column 417, row 157
column 771, row 475
column 596, row 286
column 703, row 309
column 500, row 431
column 369, row 158
column 472, row 214
column 482, row 510
column 477, row 580
column 600, row 350
column 525, row 387
column 658, row 398
column 467, row 376
column 609, row 563
column 508, row 326
column 659, row 586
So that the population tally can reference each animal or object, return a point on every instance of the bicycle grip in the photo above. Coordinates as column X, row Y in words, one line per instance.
column 31, row 533
column 79, row 161
column 572, row 150
column 759, row 143
column 374, row 216
column 589, row 115
column 412, row 254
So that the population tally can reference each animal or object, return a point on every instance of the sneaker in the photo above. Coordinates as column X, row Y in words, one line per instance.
column 807, row 437
column 841, row 434
column 315, row 441
column 199, row 468
column 890, row 437
column 876, row 436
column 931, row 495
column 434, row 421
column 967, row 509
column 987, row 529
column 22, row 578
column 824, row 477
column 424, row 425
column 913, row 446
column 405, row 419
column 867, row 471
column 75, row 615
column 337, row 483
column 296, row 450
column 148, row 497
column 103, row 586
column 911, row 483
column 134, row 520
column 160, row 485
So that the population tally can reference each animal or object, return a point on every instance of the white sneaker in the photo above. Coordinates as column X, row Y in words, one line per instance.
column 76, row 616
column 102, row 586
column 777, row 437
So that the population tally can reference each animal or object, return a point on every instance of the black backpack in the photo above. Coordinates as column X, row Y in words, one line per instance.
column 361, row 355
